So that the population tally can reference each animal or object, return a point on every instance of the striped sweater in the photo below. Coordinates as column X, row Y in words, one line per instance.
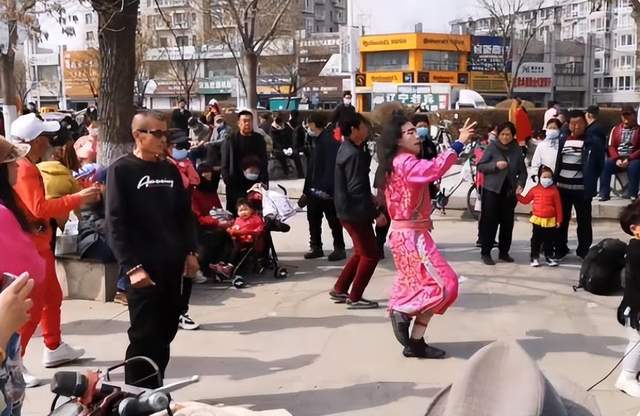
column 570, row 174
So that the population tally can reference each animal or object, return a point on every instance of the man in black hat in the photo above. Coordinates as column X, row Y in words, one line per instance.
column 624, row 155
column 180, row 117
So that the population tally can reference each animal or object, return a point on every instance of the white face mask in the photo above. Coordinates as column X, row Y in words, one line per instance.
column 552, row 134
column 347, row 101
column 252, row 176
column 179, row 154
column 546, row 182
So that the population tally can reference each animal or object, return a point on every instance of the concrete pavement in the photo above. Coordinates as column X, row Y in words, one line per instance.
column 283, row 344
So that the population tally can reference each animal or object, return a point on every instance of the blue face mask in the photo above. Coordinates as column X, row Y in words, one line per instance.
column 179, row 154
column 424, row 133
column 546, row 182
column 552, row 134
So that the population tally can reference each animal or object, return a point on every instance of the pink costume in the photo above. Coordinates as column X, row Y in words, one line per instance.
column 18, row 254
column 424, row 282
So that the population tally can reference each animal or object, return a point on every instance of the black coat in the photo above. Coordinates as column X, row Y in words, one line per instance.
column 631, row 298
column 322, row 163
column 599, row 132
column 236, row 149
column 352, row 189
column 180, row 119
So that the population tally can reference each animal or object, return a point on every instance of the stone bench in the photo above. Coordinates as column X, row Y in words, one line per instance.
column 87, row 279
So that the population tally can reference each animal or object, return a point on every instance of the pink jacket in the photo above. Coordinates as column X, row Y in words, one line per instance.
column 18, row 252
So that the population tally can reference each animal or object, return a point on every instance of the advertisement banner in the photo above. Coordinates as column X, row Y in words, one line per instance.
column 82, row 73
column 430, row 101
column 534, row 77
column 488, row 54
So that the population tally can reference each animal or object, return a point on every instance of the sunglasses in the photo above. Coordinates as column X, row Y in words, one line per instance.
column 158, row 134
column 626, row 114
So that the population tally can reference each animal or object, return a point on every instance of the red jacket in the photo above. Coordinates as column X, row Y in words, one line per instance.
column 546, row 202
column 616, row 137
column 189, row 175
column 202, row 203
column 29, row 188
column 523, row 126
column 246, row 230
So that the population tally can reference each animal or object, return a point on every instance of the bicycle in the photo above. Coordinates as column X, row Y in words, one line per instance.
column 468, row 173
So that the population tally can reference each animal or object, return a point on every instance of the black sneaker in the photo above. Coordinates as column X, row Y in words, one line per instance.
column 505, row 257
column 400, row 323
column 362, row 304
column 488, row 261
column 338, row 297
column 337, row 255
column 314, row 253
column 603, row 198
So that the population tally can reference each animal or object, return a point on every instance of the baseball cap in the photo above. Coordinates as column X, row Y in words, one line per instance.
column 29, row 127
column 627, row 109
column 10, row 152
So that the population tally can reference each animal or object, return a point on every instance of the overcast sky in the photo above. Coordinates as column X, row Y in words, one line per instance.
column 393, row 16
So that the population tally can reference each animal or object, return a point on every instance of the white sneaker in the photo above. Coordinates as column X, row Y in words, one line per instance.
column 628, row 383
column 65, row 353
column 199, row 278
column 29, row 379
column 552, row 262
column 535, row 263
column 187, row 323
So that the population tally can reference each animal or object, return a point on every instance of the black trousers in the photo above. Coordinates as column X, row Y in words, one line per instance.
column 284, row 162
column 153, row 312
column 316, row 208
column 582, row 205
column 543, row 238
column 498, row 210
column 382, row 232
column 214, row 245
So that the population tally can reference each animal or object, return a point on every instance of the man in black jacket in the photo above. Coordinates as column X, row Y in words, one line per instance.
column 180, row 117
column 356, row 210
column 593, row 125
column 151, row 230
column 578, row 166
column 238, row 151
column 318, row 188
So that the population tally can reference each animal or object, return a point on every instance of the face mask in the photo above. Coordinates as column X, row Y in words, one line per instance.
column 347, row 101
column 179, row 154
column 424, row 133
column 552, row 134
column 252, row 176
column 546, row 182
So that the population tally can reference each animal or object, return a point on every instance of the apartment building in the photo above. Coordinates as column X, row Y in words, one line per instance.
column 323, row 15
column 606, row 29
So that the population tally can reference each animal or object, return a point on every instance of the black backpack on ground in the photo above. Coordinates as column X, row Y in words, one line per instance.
column 601, row 269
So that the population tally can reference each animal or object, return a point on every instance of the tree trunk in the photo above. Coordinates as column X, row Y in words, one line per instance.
column 251, row 78
column 8, row 78
column 118, row 67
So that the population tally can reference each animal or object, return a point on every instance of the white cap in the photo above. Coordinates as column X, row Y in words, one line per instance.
column 29, row 127
column 213, row 101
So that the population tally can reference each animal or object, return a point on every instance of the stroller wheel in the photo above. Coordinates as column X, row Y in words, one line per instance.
column 238, row 282
column 281, row 273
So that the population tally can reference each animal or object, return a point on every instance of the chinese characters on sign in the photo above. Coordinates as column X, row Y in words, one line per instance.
column 534, row 77
column 488, row 54
column 431, row 101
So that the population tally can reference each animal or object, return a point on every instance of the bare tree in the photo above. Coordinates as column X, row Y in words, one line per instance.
column 16, row 15
column 516, row 36
column 184, row 60
column 117, row 23
column 21, row 80
column 247, row 28
column 90, row 71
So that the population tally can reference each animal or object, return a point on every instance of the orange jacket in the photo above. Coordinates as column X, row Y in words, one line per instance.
column 29, row 188
column 247, row 230
column 546, row 202
column 523, row 126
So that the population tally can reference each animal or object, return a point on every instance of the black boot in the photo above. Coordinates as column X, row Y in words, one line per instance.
column 314, row 253
column 400, row 323
column 337, row 255
column 417, row 348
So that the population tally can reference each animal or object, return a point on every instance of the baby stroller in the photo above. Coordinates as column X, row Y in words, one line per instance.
column 275, row 208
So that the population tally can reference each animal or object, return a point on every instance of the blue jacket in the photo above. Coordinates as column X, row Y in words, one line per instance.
column 592, row 162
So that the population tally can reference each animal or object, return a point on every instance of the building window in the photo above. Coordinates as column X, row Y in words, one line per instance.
column 308, row 5
column 624, row 83
column 596, row 83
column 623, row 3
column 597, row 65
column 163, row 42
column 608, row 83
column 182, row 41
column 179, row 19
column 89, row 37
column 625, row 40
column 88, row 18
column 441, row 61
column 624, row 21
column 309, row 24
column 387, row 61
column 627, row 61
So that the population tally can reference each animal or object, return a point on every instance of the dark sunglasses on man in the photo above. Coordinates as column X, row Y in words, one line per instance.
column 158, row 134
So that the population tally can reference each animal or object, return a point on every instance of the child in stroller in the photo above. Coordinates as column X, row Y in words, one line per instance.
column 251, row 234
